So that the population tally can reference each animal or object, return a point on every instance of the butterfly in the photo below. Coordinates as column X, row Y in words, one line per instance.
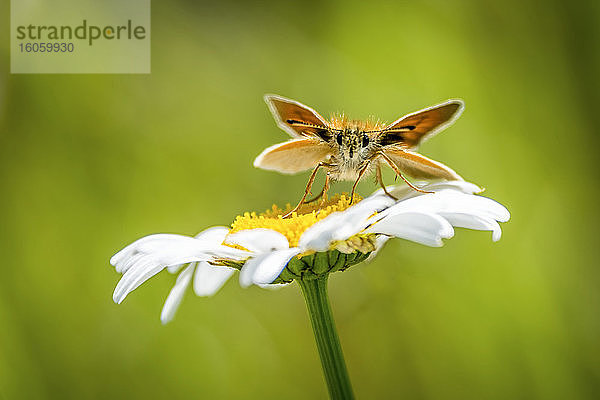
column 351, row 149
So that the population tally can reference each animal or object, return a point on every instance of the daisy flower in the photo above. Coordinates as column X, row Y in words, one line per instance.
column 268, row 249
column 317, row 240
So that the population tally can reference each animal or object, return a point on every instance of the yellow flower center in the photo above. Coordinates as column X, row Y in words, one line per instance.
column 293, row 226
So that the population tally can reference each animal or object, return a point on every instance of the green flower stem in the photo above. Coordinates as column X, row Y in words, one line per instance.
column 328, row 343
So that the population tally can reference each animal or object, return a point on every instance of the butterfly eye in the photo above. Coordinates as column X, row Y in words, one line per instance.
column 365, row 141
column 339, row 139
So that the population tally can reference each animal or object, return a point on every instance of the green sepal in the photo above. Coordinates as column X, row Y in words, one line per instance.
column 316, row 265
column 321, row 263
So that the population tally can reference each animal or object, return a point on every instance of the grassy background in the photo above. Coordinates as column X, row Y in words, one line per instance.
column 89, row 163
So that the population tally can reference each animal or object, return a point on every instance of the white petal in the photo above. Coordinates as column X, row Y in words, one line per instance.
column 404, row 192
column 474, row 222
column 208, row 279
column 215, row 234
column 371, row 204
column 342, row 225
column 463, row 186
column 168, row 258
column 273, row 286
column 424, row 228
column 174, row 249
column 176, row 294
column 205, row 284
column 249, row 269
column 131, row 249
column 176, row 244
column 229, row 252
column 142, row 270
column 476, row 205
column 173, row 269
column 320, row 235
column 146, row 257
column 451, row 201
column 124, row 264
column 190, row 249
column 259, row 240
column 271, row 266
column 380, row 241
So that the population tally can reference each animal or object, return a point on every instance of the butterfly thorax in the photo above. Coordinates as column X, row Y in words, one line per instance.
column 342, row 122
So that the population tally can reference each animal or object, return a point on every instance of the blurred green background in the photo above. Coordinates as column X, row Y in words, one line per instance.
column 88, row 163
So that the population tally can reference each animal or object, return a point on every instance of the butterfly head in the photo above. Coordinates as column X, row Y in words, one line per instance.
column 353, row 144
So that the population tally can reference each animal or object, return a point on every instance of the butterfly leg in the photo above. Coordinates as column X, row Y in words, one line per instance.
column 360, row 175
column 308, row 186
column 397, row 171
column 380, row 181
column 323, row 191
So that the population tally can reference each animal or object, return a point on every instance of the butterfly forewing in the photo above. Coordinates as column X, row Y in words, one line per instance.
column 296, row 118
column 414, row 128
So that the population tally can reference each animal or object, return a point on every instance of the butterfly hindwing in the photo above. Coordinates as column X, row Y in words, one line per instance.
column 293, row 156
column 419, row 166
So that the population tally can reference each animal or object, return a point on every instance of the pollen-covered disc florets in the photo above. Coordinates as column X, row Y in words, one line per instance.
column 308, row 263
column 297, row 223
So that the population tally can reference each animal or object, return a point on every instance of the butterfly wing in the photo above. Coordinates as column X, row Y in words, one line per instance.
column 293, row 156
column 419, row 166
column 295, row 118
column 413, row 129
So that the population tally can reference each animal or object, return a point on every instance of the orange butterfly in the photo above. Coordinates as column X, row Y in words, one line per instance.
column 349, row 149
